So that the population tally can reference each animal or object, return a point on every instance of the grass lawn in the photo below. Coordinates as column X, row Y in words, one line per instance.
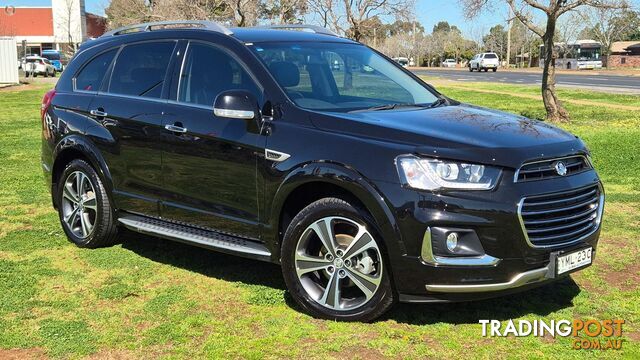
column 153, row 298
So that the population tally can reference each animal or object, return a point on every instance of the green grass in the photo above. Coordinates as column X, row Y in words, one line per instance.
column 153, row 298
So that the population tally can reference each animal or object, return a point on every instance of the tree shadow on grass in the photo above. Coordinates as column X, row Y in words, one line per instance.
column 539, row 302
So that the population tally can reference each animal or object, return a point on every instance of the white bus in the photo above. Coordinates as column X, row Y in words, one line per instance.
column 578, row 55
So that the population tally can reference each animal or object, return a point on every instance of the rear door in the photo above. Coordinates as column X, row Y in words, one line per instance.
column 130, row 107
column 209, row 169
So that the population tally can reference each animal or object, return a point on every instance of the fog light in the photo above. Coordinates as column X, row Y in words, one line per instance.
column 452, row 241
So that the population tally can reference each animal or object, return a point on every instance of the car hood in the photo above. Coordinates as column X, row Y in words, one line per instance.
column 461, row 132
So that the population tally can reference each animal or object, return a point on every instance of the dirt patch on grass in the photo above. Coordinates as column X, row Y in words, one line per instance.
column 22, row 354
column 358, row 352
column 113, row 355
column 626, row 279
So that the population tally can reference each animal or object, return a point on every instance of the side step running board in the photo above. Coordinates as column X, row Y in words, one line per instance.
column 200, row 237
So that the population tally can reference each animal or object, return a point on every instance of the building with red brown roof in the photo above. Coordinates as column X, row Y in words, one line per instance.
column 62, row 26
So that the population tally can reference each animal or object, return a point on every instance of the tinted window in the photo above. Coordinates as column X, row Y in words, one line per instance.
column 207, row 72
column 490, row 56
column 141, row 68
column 90, row 77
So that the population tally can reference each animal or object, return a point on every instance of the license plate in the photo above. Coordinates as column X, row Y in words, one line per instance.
column 574, row 260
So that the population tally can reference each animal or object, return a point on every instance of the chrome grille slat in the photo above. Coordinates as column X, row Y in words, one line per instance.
column 544, row 169
column 550, row 202
column 561, row 227
column 576, row 206
column 547, row 221
column 560, row 218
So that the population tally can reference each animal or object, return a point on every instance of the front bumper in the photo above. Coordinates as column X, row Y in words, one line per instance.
column 509, row 263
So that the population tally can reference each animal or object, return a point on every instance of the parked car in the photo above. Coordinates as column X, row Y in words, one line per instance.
column 36, row 65
column 403, row 61
column 449, row 63
column 381, row 190
column 55, row 57
column 484, row 61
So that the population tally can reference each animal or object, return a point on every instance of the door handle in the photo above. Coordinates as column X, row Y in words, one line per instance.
column 98, row 113
column 176, row 129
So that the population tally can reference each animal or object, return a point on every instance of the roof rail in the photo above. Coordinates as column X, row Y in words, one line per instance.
column 208, row 25
column 301, row 27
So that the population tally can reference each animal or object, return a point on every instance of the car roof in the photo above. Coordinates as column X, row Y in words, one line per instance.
column 275, row 35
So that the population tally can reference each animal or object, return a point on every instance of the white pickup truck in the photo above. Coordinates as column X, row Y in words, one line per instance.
column 484, row 61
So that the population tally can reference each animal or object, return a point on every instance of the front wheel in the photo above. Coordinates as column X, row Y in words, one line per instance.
column 333, row 263
column 84, row 208
column 495, row 69
column 470, row 68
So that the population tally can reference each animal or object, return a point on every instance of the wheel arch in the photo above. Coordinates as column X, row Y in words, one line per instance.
column 313, row 181
column 78, row 147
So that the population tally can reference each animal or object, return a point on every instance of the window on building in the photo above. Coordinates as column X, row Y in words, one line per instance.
column 140, row 69
column 207, row 72
column 90, row 77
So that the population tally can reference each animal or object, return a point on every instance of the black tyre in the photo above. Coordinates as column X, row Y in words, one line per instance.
column 470, row 68
column 494, row 69
column 84, row 208
column 334, row 264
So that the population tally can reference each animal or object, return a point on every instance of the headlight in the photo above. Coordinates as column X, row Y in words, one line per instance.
column 433, row 174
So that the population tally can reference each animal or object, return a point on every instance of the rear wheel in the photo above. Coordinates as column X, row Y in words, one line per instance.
column 333, row 263
column 495, row 69
column 84, row 208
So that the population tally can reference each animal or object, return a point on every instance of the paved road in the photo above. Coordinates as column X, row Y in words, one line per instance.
column 603, row 82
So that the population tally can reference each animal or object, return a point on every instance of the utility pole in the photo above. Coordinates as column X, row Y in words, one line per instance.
column 509, row 21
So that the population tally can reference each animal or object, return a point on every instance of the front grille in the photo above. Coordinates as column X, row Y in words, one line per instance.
column 545, row 169
column 561, row 218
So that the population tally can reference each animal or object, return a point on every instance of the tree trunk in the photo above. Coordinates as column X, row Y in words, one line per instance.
column 555, row 110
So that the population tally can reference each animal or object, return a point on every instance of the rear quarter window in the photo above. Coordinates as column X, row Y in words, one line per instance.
column 91, row 75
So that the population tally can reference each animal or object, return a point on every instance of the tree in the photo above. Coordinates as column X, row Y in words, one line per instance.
column 608, row 25
column 496, row 41
column 551, row 10
column 283, row 11
column 353, row 17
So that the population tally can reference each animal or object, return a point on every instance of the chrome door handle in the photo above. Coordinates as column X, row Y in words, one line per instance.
column 176, row 129
column 98, row 113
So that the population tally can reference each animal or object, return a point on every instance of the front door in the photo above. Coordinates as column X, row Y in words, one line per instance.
column 209, row 162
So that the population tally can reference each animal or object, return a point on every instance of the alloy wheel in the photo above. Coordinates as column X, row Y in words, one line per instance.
column 338, row 263
column 79, row 204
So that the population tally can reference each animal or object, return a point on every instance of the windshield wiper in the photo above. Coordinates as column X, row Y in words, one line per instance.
column 440, row 101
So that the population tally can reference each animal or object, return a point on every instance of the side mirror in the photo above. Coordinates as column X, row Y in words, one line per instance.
column 236, row 104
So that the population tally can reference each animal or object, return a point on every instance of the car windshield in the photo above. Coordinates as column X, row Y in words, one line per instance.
column 51, row 56
column 490, row 56
column 340, row 77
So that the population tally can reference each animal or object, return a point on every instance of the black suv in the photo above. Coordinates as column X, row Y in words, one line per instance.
column 318, row 153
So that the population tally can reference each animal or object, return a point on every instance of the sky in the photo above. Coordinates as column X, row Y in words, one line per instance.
column 428, row 12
